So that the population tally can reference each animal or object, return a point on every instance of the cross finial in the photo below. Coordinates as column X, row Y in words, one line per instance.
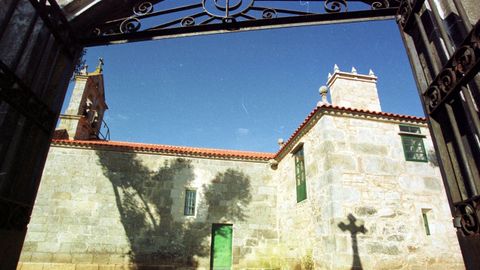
column 99, row 68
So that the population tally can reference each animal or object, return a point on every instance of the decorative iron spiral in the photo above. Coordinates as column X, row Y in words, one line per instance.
column 403, row 13
column 334, row 6
column 269, row 13
column 188, row 21
column 433, row 97
column 143, row 8
column 235, row 7
column 468, row 217
column 130, row 25
column 447, row 80
column 96, row 31
column 378, row 4
column 464, row 59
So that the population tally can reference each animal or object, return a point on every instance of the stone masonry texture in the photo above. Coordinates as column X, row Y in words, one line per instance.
column 104, row 209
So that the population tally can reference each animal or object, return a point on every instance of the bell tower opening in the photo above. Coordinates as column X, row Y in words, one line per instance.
column 84, row 115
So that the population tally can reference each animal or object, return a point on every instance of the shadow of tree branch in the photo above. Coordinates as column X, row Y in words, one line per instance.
column 145, row 198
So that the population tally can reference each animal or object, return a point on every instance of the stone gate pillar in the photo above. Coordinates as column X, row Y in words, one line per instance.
column 37, row 58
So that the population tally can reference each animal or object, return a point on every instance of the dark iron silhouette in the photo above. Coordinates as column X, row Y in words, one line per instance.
column 354, row 230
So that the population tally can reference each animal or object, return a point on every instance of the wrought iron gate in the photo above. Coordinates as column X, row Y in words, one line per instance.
column 444, row 51
column 37, row 56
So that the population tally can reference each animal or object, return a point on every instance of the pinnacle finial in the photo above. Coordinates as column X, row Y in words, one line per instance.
column 280, row 142
column 371, row 73
column 84, row 70
column 354, row 70
column 335, row 68
column 323, row 92
column 329, row 75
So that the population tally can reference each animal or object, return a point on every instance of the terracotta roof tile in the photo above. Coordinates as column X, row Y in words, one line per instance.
column 169, row 149
column 349, row 110
column 223, row 153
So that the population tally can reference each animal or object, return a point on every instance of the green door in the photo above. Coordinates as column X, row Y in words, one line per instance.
column 221, row 257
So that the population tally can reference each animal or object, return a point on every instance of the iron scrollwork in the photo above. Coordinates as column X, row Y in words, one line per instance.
column 226, row 13
column 269, row 13
column 334, row 6
column 464, row 64
column 467, row 217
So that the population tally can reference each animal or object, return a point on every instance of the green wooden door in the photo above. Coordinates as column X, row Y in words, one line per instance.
column 221, row 257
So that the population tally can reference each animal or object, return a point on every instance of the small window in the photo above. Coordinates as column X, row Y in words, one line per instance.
column 300, row 174
column 412, row 141
column 425, row 220
column 410, row 129
column 190, row 197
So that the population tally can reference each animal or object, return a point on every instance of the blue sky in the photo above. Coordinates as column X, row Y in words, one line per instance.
column 243, row 90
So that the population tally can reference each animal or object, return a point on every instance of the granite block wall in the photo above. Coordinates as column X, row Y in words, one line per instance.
column 365, row 206
column 365, row 203
column 99, row 208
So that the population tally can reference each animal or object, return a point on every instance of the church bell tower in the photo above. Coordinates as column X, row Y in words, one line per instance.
column 84, row 115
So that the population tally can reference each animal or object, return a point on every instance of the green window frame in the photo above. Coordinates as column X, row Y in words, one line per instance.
column 425, row 222
column 301, row 185
column 190, row 200
column 410, row 129
column 412, row 142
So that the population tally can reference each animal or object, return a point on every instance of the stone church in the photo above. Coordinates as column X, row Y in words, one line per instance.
column 352, row 188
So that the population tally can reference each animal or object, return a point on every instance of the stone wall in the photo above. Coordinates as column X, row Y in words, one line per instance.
column 97, row 208
column 364, row 201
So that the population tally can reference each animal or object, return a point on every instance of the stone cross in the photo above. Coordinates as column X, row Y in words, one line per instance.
column 354, row 230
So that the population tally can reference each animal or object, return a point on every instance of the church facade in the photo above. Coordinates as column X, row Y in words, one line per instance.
column 352, row 188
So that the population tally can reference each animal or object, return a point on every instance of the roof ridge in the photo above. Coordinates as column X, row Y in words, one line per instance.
column 216, row 152
column 171, row 148
column 342, row 108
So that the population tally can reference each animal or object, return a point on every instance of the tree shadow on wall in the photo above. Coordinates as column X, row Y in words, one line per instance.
column 145, row 198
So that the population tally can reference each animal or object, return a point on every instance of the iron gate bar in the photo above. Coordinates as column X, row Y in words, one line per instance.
column 463, row 15
column 406, row 11
column 8, row 16
column 443, row 33
column 458, row 71
column 19, row 97
column 461, row 149
column 423, row 34
column 316, row 19
column 464, row 90
column 56, row 22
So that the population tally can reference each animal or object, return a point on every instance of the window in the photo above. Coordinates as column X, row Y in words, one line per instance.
column 410, row 129
column 425, row 220
column 300, row 174
column 412, row 141
column 190, row 197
